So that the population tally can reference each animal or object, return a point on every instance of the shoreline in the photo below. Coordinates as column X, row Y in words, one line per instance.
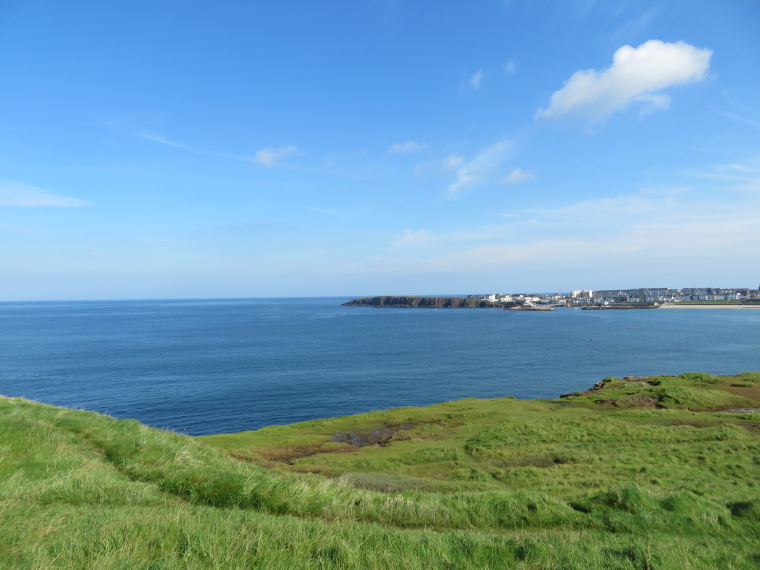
column 679, row 306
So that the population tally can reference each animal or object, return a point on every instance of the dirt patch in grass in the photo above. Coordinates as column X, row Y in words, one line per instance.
column 541, row 461
column 749, row 392
column 364, row 437
column 341, row 442
column 643, row 401
column 290, row 453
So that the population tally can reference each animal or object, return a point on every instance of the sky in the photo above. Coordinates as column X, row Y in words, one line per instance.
column 204, row 149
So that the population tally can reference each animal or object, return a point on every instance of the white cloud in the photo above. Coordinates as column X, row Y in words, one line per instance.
column 269, row 156
column 407, row 147
column 20, row 195
column 412, row 238
column 452, row 161
column 481, row 168
column 517, row 175
column 476, row 79
column 636, row 74
column 510, row 67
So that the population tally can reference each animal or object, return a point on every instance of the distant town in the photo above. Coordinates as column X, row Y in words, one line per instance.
column 647, row 296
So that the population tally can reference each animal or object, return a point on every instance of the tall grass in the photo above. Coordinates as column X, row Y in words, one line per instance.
column 484, row 490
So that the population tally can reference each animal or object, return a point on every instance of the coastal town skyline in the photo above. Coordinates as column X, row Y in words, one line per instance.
column 654, row 295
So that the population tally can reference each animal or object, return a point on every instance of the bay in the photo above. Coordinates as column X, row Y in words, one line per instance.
column 215, row 366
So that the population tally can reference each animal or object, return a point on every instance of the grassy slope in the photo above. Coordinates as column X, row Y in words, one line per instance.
column 604, row 483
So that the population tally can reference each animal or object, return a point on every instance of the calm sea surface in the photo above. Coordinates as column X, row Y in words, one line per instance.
column 213, row 366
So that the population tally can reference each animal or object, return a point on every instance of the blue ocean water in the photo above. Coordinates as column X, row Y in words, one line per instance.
column 214, row 366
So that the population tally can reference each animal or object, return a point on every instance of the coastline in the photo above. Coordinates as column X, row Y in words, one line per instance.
column 679, row 306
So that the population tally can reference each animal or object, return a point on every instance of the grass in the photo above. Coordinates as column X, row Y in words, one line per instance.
column 636, row 473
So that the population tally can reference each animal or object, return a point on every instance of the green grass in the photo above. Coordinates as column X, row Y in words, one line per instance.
column 638, row 473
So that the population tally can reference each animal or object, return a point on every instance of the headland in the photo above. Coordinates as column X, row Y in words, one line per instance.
column 425, row 302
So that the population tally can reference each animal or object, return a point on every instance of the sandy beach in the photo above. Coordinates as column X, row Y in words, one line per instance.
column 680, row 306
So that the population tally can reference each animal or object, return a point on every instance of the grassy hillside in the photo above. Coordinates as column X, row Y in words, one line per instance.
column 637, row 473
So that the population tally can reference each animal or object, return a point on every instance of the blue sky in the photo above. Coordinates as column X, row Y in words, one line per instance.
column 248, row 149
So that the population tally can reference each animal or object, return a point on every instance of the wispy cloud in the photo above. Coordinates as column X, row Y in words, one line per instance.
column 639, row 230
column 510, row 67
column 164, row 141
column 270, row 156
column 643, row 203
column 636, row 26
column 636, row 75
column 642, row 244
column 743, row 168
column 452, row 161
column 482, row 168
column 517, row 175
column 13, row 194
column 739, row 118
column 407, row 147
column 476, row 79
column 740, row 177
column 440, row 166
column 412, row 238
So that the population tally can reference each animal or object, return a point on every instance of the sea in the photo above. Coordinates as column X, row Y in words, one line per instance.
column 220, row 366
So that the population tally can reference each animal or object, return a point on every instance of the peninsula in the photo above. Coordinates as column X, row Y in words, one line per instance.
column 427, row 302
column 469, row 302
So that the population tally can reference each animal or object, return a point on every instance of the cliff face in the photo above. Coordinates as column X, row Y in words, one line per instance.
column 426, row 302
